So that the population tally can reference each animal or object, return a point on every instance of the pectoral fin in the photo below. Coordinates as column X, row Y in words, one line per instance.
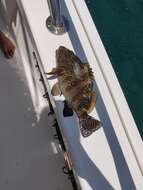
column 57, row 71
column 56, row 90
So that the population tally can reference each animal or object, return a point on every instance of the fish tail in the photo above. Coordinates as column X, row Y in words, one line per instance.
column 89, row 125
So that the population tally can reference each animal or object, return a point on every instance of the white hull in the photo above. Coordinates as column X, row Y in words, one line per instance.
column 110, row 158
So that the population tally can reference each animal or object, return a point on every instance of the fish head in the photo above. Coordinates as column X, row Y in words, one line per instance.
column 62, row 53
column 66, row 56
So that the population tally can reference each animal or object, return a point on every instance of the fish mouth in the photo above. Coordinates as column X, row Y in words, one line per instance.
column 61, row 50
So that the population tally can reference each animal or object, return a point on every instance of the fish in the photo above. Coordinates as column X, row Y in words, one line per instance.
column 75, row 82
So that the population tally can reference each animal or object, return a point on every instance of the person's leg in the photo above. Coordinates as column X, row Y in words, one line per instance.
column 7, row 46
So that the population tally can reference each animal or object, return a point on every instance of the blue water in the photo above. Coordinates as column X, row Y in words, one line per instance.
column 120, row 25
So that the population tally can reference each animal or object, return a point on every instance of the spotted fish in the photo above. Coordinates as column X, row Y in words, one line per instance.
column 75, row 82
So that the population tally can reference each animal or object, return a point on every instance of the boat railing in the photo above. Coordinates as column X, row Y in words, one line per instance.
column 56, row 23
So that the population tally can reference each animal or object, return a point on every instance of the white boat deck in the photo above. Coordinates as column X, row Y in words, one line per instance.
column 107, row 159
column 30, row 158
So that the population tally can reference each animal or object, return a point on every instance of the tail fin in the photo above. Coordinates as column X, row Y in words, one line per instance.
column 88, row 125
